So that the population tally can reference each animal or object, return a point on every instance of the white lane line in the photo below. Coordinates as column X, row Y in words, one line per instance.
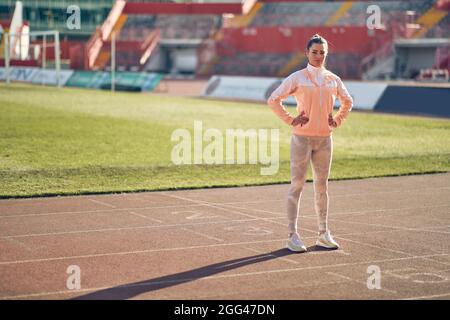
column 188, row 224
column 437, row 261
column 232, row 211
column 394, row 251
column 375, row 246
column 429, row 297
column 277, row 213
column 224, row 203
column 359, row 282
column 271, row 255
column 437, row 227
column 391, row 227
column 352, row 213
column 363, row 212
column 421, row 190
column 122, row 229
column 314, row 267
column 138, row 252
column 145, row 284
column 95, row 211
column 309, row 188
column 203, row 235
column 103, row 203
column 323, row 252
column 48, row 293
column 147, row 227
column 21, row 244
column 241, row 261
column 225, row 276
column 145, row 217
column 253, row 218
column 186, row 248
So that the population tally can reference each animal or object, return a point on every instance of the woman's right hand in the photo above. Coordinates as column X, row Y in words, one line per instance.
column 331, row 122
column 300, row 120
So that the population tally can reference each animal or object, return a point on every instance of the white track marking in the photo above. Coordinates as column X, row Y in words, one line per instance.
column 360, row 282
column 394, row 251
column 224, row 203
column 232, row 211
column 429, row 297
column 438, row 227
column 421, row 190
column 40, row 294
column 224, row 276
column 244, row 260
column 252, row 218
column 102, row 203
column 203, row 235
column 194, row 247
column 277, row 213
column 137, row 252
column 145, row 217
column 95, row 211
column 352, row 213
column 272, row 255
column 437, row 261
column 391, row 227
column 122, row 229
column 320, row 252
column 375, row 246
column 195, row 215
column 147, row 227
column 21, row 244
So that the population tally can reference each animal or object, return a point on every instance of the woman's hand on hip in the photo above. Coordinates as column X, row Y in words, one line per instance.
column 331, row 122
column 300, row 120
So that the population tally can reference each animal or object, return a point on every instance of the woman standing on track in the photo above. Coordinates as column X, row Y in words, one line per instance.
column 315, row 89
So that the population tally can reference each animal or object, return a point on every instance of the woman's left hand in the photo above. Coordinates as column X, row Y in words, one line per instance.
column 331, row 121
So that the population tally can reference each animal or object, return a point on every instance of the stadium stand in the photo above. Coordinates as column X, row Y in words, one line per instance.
column 399, row 19
column 295, row 14
column 266, row 40
column 187, row 26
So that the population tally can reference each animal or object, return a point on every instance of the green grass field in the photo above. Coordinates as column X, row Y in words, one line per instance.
column 76, row 141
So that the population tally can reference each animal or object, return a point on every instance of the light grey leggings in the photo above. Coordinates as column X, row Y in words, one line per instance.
column 319, row 150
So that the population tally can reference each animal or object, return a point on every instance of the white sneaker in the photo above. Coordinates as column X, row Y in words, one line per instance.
column 295, row 244
column 326, row 240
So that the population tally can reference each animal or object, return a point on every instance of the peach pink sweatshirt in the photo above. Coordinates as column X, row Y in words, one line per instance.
column 315, row 90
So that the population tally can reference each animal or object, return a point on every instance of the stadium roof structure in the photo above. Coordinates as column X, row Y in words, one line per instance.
column 187, row 8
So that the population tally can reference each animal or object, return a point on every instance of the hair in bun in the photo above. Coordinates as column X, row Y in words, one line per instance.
column 317, row 38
